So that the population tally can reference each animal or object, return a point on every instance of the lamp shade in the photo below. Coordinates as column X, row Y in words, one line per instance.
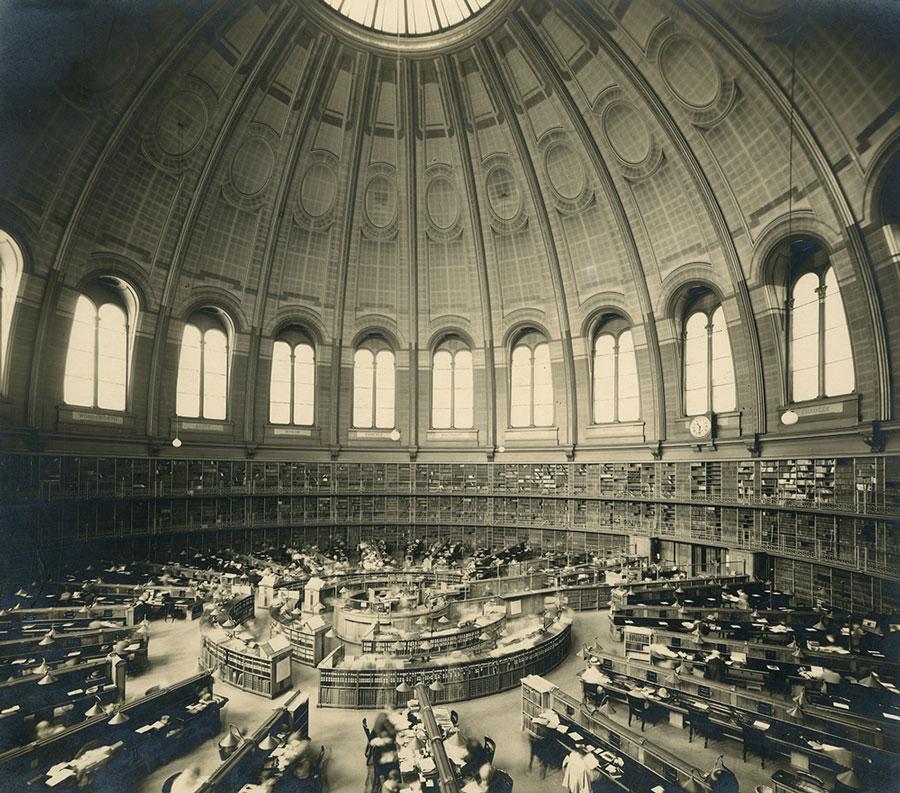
column 269, row 743
column 849, row 779
column 403, row 688
column 42, row 668
column 47, row 680
column 94, row 710
column 118, row 718
column 436, row 685
column 46, row 641
column 443, row 620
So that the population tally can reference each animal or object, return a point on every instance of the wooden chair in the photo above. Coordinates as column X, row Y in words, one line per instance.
column 754, row 741
column 490, row 748
column 698, row 721
column 637, row 706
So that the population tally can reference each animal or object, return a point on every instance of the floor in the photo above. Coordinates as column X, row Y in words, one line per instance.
column 174, row 649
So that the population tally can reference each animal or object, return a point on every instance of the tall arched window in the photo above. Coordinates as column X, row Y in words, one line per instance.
column 452, row 386
column 97, row 358
column 821, row 359
column 616, row 388
column 292, row 391
column 708, row 365
column 531, row 382
column 202, row 390
column 373, row 385
column 10, row 275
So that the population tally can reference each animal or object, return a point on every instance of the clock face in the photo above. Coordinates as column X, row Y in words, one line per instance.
column 700, row 426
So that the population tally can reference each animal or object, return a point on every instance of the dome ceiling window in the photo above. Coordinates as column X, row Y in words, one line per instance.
column 408, row 17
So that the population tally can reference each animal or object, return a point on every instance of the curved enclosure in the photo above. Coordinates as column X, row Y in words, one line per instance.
column 578, row 274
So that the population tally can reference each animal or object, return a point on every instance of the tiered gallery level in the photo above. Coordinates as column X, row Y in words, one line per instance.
column 826, row 528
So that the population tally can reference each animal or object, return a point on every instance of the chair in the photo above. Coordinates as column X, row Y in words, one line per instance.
column 502, row 782
column 698, row 721
column 490, row 747
column 637, row 706
column 321, row 772
column 754, row 741
column 454, row 718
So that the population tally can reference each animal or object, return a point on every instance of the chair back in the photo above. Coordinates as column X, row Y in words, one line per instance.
column 490, row 747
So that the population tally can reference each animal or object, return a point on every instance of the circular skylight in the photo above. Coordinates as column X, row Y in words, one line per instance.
column 408, row 17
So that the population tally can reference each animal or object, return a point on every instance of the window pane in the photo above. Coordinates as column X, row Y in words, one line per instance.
column 78, row 385
column 696, row 365
column 280, row 384
column 839, row 372
column 805, row 339
column 112, row 358
column 463, row 391
column 604, row 379
column 363, row 385
column 724, row 397
column 304, row 384
column 543, row 387
column 441, row 389
column 187, row 398
column 384, row 389
column 520, row 388
column 215, row 374
column 629, row 393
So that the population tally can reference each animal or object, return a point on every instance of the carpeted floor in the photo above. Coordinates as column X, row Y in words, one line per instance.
column 175, row 647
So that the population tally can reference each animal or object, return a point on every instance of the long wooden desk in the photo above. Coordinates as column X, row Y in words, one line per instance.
column 647, row 765
column 247, row 761
column 140, row 743
column 833, row 727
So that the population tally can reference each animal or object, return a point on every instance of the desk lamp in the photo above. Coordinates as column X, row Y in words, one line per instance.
column 118, row 718
column 48, row 679
column 42, row 668
column 94, row 710
column 269, row 743
column 436, row 686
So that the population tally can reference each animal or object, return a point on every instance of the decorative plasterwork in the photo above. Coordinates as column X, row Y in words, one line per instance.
column 178, row 124
column 567, row 175
column 251, row 168
column 692, row 75
column 380, row 203
column 505, row 198
column 94, row 80
column 637, row 150
column 315, row 203
column 443, row 205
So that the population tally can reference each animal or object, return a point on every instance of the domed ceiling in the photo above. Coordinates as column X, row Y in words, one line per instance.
column 496, row 164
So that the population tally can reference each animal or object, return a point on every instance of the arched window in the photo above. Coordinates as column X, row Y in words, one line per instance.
column 452, row 386
column 97, row 359
column 292, row 391
column 708, row 365
column 821, row 359
column 373, row 385
column 616, row 389
column 10, row 275
column 202, row 390
column 531, row 382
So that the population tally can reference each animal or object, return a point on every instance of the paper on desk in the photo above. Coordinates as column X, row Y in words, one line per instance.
column 576, row 736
